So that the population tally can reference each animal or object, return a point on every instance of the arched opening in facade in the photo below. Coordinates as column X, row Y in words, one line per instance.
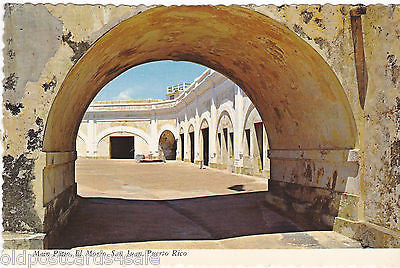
column 298, row 96
column 225, row 140
column 167, row 145
column 191, row 142
column 255, row 143
column 182, row 144
column 119, row 142
column 204, row 142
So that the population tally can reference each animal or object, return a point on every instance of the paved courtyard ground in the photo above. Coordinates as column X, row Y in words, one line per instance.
column 158, row 180
column 129, row 205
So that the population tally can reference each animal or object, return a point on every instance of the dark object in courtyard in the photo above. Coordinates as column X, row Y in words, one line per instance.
column 237, row 188
column 150, row 160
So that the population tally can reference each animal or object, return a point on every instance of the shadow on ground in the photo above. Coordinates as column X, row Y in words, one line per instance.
column 98, row 221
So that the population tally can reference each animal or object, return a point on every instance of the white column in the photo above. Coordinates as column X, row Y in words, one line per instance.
column 178, row 138
column 197, row 148
column 91, row 144
column 186, row 138
column 213, row 129
column 153, row 135
column 252, row 140
column 238, row 128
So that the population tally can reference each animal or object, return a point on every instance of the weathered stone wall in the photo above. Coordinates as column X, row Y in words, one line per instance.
column 328, row 29
column 381, row 136
column 43, row 42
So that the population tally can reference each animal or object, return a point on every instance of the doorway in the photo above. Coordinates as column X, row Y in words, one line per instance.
column 191, row 137
column 260, row 142
column 182, row 147
column 122, row 147
column 205, row 134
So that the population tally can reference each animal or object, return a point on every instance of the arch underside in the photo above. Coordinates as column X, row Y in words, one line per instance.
column 224, row 121
column 296, row 93
column 123, row 129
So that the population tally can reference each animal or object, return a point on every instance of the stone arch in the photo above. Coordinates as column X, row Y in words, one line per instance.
column 190, row 128
column 204, row 123
column 227, row 109
column 296, row 77
column 299, row 97
column 205, row 118
column 132, row 130
column 245, row 142
column 251, row 109
column 204, row 139
column 221, row 115
column 167, row 152
column 224, row 139
column 170, row 128
column 254, row 137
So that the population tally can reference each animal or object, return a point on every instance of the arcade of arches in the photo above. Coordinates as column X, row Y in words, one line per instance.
column 182, row 129
column 330, row 106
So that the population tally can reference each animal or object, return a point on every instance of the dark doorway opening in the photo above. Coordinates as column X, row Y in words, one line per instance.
column 259, row 134
column 182, row 147
column 205, row 133
column 122, row 147
column 232, row 143
column 247, row 131
column 191, row 137
column 225, row 130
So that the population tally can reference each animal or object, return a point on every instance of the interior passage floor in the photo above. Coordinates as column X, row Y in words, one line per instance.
column 124, row 204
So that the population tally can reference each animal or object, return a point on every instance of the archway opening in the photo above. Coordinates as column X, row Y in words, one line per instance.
column 295, row 79
column 191, row 143
column 182, row 144
column 205, row 144
column 122, row 147
column 298, row 96
column 168, row 144
column 255, row 142
column 225, row 140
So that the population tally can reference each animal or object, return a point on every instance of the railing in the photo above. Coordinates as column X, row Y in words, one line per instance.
column 130, row 106
column 148, row 106
column 179, row 87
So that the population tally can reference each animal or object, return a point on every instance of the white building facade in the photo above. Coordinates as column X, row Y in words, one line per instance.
column 212, row 123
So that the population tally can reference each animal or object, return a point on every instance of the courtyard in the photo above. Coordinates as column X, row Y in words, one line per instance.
column 321, row 117
column 123, row 204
